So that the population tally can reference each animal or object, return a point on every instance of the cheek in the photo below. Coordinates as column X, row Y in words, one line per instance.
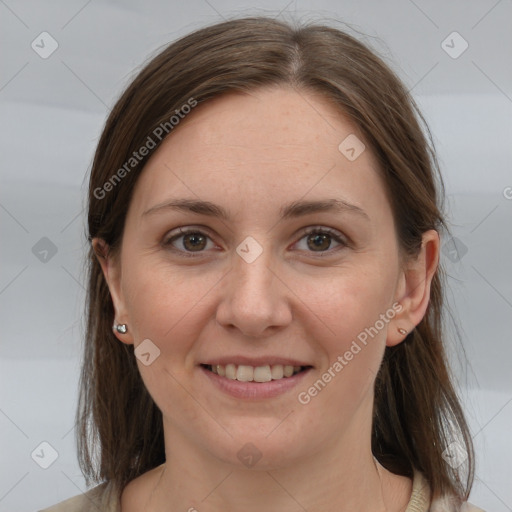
column 165, row 303
column 354, row 313
column 351, row 344
column 170, row 305
column 346, row 304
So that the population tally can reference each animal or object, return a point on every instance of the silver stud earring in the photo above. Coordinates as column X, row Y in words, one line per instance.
column 120, row 328
column 403, row 332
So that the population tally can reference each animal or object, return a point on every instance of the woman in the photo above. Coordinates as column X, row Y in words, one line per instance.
column 265, row 295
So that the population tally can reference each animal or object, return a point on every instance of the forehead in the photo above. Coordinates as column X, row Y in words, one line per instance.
column 276, row 118
column 252, row 151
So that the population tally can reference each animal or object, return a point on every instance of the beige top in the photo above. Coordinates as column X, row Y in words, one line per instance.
column 102, row 498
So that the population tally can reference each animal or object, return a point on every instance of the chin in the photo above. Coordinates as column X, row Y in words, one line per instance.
column 261, row 450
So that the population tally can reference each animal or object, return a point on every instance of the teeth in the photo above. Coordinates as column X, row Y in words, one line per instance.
column 230, row 371
column 262, row 374
column 245, row 373
column 288, row 371
column 277, row 371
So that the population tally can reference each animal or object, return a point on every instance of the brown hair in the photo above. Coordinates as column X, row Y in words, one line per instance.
column 417, row 413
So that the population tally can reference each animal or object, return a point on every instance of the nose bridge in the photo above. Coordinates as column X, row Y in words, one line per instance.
column 253, row 300
column 251, row 268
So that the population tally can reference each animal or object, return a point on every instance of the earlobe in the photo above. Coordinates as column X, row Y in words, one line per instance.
column 110, row 269
column 413, row 291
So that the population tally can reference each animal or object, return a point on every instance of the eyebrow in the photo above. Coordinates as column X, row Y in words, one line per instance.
column 292, row 210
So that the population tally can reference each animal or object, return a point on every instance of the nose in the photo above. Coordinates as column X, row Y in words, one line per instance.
column 255, row 298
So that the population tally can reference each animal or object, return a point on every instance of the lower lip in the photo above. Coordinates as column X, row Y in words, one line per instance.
column 254, row 390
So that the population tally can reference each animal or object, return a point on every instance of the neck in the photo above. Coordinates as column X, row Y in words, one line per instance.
column 343, row 478
column 253, row 491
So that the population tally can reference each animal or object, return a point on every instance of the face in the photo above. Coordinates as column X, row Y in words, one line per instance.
column 315, row 288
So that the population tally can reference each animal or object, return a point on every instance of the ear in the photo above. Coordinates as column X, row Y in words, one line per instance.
column 413, row 290
column 112, row 271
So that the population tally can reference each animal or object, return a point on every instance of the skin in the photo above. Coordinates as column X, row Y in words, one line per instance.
column 251, row 154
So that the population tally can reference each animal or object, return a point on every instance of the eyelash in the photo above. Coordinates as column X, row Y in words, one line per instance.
column 313, row 230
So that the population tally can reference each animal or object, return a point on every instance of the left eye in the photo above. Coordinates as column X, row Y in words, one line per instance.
column 320, row 237
column 195, row 240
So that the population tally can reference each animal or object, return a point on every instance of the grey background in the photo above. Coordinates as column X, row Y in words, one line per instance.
column 51, row 114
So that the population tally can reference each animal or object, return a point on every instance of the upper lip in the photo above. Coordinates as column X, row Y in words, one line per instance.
column 255, row 361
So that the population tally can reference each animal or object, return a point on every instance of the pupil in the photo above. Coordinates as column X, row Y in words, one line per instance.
column 318, row 239
column 196, row 239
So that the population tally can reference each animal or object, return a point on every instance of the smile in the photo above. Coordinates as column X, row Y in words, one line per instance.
column 254, row 382
column 246, row 373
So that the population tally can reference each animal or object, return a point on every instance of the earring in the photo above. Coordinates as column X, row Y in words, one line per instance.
column 403, row 332
column 120, row 328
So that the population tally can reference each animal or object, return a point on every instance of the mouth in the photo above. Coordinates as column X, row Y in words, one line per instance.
column 249, row 382
column 246, row 373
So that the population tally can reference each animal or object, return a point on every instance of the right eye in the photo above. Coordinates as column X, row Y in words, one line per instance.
column 194, row 240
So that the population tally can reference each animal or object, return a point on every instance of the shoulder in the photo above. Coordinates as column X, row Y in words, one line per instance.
column 421, row 499
column 448, row 504
column 137, row 492
column 101, row 497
